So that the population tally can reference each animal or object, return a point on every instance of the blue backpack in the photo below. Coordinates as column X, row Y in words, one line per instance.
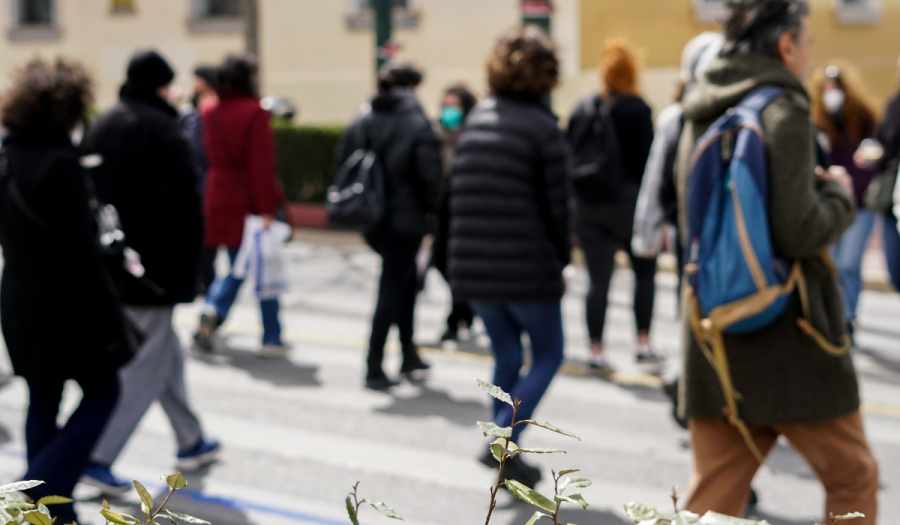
column 738, row 282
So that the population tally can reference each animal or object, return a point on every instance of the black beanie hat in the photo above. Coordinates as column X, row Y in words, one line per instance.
column 149, row 69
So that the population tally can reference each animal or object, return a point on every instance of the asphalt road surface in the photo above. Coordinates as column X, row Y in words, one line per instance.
column 299, row 432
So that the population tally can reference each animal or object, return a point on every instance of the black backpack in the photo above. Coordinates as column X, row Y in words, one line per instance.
column 597, row 171
column 358, row 198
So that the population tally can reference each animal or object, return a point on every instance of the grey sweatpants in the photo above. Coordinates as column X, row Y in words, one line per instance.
column 155, row 373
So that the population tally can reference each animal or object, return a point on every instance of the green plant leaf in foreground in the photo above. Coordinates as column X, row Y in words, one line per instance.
column 38, row 518
column 574, row 498
column 574, row 483
column 851, row 516
column 495, row 391
column 15, row 505
column 19, row 486
column 541, row 451
column 113, row 517
column 146, row 499
column 685, row 517
column 500, row 449
column 351, row 510
column 530, row 496
column 638, row 512
column 548, row 426
column 384, row 509
column 714, row 518
column 176, row 481
column 537, row 515
column 186, row 518
column 568, row 471
column 52, row 500
column 491, row 429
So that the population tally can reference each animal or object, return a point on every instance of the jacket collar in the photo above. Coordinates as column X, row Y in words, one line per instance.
column 136, row 92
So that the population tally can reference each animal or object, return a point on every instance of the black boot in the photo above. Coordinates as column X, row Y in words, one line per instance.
column 376, row 379
column 413, row 367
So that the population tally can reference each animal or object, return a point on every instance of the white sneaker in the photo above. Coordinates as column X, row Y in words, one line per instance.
column 274, row 351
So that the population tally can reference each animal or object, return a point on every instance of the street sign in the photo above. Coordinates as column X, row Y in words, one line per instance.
column 537, row 8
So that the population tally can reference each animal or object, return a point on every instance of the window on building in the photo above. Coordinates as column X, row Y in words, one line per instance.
column 709, row 11
column 123, row 6
column 35, row 12
column 216, row 16
column 362, row 16
column 33, row 20
column 857, row 12
column 223, row 8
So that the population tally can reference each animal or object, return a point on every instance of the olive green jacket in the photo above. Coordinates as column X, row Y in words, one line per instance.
column 782, row 375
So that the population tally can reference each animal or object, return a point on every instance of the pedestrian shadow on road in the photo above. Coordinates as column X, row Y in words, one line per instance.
column 430, row 402
column 191, row 500
column 773, row 519
column 279, row 372
column 886, row 364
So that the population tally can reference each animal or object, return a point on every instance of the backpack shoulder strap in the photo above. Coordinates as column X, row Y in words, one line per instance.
column 757, row 100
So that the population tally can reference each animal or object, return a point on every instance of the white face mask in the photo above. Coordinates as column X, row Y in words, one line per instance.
column 833, row 100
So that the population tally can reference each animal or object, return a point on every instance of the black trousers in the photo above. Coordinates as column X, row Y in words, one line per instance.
column 599, row 248
column 461, row 313
column 396, row 292
column 57, row 455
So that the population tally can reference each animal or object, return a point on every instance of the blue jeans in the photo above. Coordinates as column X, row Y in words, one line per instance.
column 57, row 455
column 505, row 323
column 223, row 292
column 892, row 248
column 848, row 254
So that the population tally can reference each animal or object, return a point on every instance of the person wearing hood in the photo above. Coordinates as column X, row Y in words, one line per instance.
column 409, row 149
column 657, row 201
column 146, row 171
column 789, row 384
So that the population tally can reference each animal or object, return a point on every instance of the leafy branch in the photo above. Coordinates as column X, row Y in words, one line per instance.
column 14, row 510
column 503, row 449
column 175, row 482
column 354, row 503
column 646, row 515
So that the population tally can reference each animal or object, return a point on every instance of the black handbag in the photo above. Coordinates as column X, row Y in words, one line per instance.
column 880, row 193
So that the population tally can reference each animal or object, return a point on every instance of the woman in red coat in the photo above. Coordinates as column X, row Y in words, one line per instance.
column 241, row 181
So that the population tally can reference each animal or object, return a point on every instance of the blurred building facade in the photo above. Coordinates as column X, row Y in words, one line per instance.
column 320, row 53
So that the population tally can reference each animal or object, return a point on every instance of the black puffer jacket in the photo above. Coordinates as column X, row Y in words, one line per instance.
column 411, row 154
column 148, row 174
column 60, row 313
column 509, row 217
column 634, row 126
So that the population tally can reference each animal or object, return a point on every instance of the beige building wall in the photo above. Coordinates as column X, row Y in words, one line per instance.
column 89, row 31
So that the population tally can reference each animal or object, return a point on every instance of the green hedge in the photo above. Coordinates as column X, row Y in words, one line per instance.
column 306, row 161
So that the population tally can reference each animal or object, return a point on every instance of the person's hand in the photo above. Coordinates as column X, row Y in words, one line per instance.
column 838, row 174
column 860, row 160
column 267, row 221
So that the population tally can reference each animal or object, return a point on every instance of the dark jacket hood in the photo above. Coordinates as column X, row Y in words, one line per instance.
column 396, row 100
column 728, row 80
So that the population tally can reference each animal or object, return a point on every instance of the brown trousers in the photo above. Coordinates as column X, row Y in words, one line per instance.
column 837, row 450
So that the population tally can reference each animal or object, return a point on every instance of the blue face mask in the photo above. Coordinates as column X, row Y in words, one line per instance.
column 451, row 117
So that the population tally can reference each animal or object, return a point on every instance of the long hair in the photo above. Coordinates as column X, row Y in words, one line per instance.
column 619, row 68
column 857, row 117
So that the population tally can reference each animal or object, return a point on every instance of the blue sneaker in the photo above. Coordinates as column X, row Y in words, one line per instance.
column 204, row 453
column 100, row 476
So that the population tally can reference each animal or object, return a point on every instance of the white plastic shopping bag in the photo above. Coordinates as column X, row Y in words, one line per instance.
column 260, row 258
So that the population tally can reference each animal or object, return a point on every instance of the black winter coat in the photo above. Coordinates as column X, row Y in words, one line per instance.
column 509, row 217
column 60, row 313
column 411, row 154
column 148, row 174
column 633, row 120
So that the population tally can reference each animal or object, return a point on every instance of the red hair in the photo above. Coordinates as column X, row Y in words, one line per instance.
column 619, row 67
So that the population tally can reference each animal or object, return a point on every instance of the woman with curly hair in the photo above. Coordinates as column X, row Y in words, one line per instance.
column 509, row 224
column 61, row 316
column 605, row 211
column 844, row 118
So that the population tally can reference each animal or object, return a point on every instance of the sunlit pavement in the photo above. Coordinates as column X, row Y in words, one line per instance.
column 299, row 432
